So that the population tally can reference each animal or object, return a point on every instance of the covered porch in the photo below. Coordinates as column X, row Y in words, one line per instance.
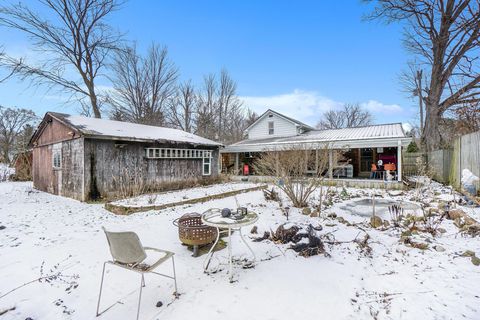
column 373, row 159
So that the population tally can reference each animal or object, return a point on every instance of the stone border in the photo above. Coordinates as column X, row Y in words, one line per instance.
column 126, row 210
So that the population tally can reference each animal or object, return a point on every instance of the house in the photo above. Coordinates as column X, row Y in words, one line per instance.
column 361, row 146
column 88, row 158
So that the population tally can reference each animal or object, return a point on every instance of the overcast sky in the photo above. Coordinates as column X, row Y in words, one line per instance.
column 297, row 57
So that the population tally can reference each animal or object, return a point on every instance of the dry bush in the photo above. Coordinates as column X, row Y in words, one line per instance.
column 290, row 166
column 133, row 185
column 130, row 184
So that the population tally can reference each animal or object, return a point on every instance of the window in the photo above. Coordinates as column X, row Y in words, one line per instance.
column 207, row 162
column 57, row 158
column 163, row 153
column 270, row 127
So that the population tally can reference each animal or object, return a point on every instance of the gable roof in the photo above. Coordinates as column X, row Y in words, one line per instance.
column 127, row 131
column 364, row 137
column 294, row 121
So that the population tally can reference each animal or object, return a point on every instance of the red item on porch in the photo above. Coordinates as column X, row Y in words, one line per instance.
column 246, row 170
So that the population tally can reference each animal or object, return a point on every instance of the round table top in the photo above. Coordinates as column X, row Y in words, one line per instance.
column 213, row 218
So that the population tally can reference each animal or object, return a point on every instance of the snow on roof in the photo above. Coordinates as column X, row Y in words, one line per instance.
column 129, row 131
column 367, row 133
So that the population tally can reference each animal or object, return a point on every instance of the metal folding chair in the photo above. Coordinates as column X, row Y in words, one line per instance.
column 128, row 253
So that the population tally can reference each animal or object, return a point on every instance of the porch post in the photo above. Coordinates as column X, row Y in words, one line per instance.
column 399, row 161
column 330, row 163
column 237, row 160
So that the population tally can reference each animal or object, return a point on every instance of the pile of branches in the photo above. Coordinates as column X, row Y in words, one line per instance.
column 294, row 235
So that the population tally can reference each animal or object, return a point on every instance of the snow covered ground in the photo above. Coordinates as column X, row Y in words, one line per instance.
column 188, row 194
column 5, row 172
column 46, row 234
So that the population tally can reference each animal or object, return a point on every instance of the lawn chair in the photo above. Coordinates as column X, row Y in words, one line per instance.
column 392, row 168
column 128, row 253
column 374, row 172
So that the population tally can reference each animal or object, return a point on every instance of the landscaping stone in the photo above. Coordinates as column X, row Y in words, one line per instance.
column 439, row 248
column 395, row 193
column 468, row 253
column 476, row 260
column 307, row 211
column 376, row 221
column 455, row 214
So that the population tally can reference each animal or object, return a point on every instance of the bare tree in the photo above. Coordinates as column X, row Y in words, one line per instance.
column 143, row 86
column 229, row 107
column 12, row 123
column 351, row 115
column 207, row 106
column 220, row 112
column 250, row 118
column 468, row 118
column 75, row 39
column 10, row 72
column 444, row 36
column 182, row 110
column 411, row 81
column 289, row 167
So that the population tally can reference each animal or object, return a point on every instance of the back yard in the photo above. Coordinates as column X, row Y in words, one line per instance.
column 364, row 273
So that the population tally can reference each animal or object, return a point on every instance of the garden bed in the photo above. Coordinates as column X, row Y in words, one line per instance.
column 160, row 201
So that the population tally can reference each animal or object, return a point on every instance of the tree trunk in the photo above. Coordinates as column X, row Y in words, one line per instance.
column 94, row 102
column 431, row 134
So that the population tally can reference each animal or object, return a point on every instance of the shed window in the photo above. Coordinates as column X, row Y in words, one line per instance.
column 57, row 159
column 270, row 127
column 163, row 153
column 207, row 163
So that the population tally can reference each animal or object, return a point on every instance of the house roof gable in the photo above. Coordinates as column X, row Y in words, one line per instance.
column 291, row 120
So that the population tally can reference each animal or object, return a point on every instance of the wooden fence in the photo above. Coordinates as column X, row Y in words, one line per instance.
column 411, row 163
column 446, row 165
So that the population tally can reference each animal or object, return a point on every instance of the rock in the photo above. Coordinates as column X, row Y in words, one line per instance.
column 376, row 221
column 406, row 233
column 332, row 215
column 2, row 227
column 455, row 214
column 475, row 261
column 441, row 230
column 468, row 253
column 254, row 230
column 159, row 304
column 442, row 205
column 395, row 193
column 307, row 211
column 342, row 220
column 439, row 248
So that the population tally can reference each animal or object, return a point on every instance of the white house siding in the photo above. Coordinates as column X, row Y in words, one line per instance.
column 282, row 128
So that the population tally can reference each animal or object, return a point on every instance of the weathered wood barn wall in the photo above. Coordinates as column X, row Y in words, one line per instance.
column 114, row 166
column 93, row 167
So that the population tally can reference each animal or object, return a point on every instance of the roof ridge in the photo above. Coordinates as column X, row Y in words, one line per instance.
column 365, row 126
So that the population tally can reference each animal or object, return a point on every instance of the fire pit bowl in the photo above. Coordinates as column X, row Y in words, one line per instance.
column 192, row 232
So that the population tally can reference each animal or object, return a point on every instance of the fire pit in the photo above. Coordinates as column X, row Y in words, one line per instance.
column 192, row 231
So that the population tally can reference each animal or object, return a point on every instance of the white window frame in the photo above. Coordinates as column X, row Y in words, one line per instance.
column 271, row 130
column 57, row 155
column 168, row 153
column 207, row 161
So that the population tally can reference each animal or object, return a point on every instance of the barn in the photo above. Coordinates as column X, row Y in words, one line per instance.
column 88, row 158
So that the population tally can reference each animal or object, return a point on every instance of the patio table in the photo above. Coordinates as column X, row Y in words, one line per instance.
column 213, row 218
